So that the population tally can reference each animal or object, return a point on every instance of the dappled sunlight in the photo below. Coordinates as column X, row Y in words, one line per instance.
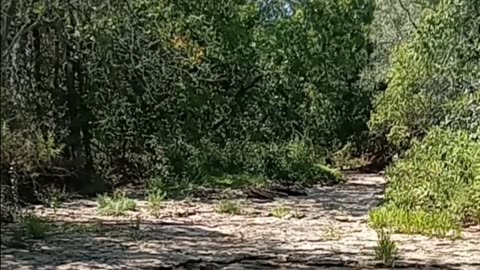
column 333, row 232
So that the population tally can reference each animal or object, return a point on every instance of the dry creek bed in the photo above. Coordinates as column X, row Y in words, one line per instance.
column 329, row 231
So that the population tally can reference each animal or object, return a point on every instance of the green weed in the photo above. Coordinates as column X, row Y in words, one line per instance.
column 437, row 176
column 117, row 205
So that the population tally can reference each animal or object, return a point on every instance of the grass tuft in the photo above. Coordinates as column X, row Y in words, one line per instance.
column 155, row 202
column 386, row 249
column 414, row 222
column 117, row 205
column 280, row 212
column 36, row 227
column 228, row 207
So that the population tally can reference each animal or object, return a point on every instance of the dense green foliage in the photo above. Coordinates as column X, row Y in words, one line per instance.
column 181, row 90
column 441, row 174
column 435, row 187
column 435, row 78
column 431, row 110
column 178, row 94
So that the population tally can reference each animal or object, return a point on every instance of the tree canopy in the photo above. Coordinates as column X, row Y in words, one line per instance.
column 96, row 94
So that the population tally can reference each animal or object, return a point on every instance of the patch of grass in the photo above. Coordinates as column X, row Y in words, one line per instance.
column 414, row 222
column 117, row 205
column 386, row 249
column 280, row 212
column 36, row 227
column 155, row 201
column 229, row 207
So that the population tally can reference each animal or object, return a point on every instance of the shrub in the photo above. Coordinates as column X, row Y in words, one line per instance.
column 438, row 174
column 25, row 156
column 157, row 185
column 116, row 205
column 344, row 158
column 423, row 89
column 228, row 207
column 52, row 196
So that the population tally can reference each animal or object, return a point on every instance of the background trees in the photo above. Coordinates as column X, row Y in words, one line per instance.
column 432, row 103
column 137, row 89
column 99, row 93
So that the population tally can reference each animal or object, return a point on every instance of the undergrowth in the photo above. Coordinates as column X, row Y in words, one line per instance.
column 236, row 181
column 435, row 188
column 242, row 164
column 94, row 227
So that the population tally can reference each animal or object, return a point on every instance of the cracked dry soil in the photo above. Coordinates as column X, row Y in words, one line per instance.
column 328, row 231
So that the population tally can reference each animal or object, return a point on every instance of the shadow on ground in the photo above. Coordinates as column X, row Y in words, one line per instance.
column 208, row 241
column 175, row 246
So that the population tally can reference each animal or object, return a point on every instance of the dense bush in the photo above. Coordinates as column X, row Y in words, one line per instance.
column 429, row 115
column 439, row 174
column 435, row 77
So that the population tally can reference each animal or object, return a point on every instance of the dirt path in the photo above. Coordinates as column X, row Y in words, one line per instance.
column 329, row 231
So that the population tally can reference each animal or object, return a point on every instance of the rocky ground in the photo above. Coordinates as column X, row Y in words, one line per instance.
column 326, row 229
